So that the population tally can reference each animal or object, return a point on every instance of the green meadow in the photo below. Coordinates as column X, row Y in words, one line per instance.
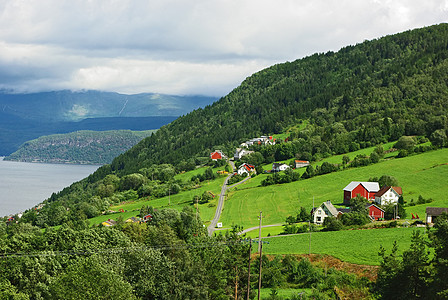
column 354, row 246
column 424, row 174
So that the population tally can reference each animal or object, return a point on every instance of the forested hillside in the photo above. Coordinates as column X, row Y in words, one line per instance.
column 82, row 147
column 331, row 103
column 362, row 95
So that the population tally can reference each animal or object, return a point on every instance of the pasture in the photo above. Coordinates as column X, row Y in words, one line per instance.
column 425, row 174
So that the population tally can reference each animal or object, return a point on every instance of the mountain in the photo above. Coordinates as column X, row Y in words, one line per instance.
column 70, row 106
column 81, row 147
column 27, row 116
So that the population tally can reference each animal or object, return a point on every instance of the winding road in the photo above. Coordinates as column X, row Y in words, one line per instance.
column 211, row 227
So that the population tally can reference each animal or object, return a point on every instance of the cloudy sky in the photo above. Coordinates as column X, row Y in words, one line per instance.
column 183, row 46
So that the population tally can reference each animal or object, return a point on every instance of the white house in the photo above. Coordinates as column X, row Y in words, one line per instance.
column 277, row 167
column 246, row 168
column 326, row 209
column 301, row 163
column 240, row 152
column 388, row 194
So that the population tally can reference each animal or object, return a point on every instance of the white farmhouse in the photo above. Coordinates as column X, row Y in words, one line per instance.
column 246, row 168
column 277, row 167
column 326, row 209
column 240, row 152
column 388, row 194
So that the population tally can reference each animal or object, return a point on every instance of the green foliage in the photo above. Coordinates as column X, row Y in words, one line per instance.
column 332, row 224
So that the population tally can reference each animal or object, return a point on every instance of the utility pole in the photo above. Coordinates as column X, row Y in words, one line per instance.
column 197, row 208
column 248, row 270
column 259, row 275
column 236, row 283
column 259, row 232
column 310, row 224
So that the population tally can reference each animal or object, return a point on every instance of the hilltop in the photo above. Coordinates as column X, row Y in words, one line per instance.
column 81, row 147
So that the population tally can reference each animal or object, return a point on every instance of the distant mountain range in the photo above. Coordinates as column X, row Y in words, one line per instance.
column 24, row 117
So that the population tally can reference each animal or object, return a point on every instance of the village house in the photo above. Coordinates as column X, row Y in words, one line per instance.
column 240, row 152
column 277, row 167
column 432, row 213
column 325, row 210
column 147, row 218
column 301, row 163
column 388, row 194
column 364, row 189
column 246, row 168
column 263, row 140
column 217, row 155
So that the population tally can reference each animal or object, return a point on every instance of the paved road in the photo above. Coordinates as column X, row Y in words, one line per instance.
column 211, row 227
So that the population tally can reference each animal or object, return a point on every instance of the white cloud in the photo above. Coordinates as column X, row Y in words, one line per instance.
column 179, row 46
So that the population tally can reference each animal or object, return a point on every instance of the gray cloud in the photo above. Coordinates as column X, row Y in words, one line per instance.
column 183, row 47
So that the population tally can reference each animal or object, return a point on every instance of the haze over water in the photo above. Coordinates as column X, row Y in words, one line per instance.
column 24, row 185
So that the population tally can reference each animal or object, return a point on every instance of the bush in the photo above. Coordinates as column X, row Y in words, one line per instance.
column 332, row 224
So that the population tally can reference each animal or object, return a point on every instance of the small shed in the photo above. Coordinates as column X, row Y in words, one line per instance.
column 433, row 212
column 375, row 212
column 301, row 163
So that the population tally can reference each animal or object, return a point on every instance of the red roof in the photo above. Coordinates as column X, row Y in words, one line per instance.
column 302, row 161
column 215, row 155
column 384, row 189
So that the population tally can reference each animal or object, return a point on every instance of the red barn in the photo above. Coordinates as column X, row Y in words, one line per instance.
column 375, row 212
column 364, row 189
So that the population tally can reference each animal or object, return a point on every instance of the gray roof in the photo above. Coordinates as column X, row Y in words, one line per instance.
column 330, row 208
column 369, row 186
column 436, row 211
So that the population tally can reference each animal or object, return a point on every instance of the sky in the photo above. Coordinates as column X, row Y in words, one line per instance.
column 183, row 47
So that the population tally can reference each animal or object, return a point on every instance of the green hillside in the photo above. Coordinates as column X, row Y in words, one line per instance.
column 81, row 147
column 325, row 105
column 424, row 174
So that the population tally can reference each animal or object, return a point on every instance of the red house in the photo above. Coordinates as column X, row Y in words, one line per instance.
column 364, row 189
column 375, row 212
column 217, row 155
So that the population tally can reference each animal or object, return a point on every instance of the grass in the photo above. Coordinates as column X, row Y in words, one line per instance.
column 425, row 174
column 275, row 230
column 284, row 293
column 354, row 246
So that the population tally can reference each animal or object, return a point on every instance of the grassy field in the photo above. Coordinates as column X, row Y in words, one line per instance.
column 354, row 246
column 425, row 174
column 284, row 293
column 275, row 230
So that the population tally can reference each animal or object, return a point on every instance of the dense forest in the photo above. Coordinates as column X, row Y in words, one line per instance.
column 383, row 90
column 81, row 147
column 362, row 95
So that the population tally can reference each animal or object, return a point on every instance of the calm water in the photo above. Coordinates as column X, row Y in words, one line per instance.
column 23, row 185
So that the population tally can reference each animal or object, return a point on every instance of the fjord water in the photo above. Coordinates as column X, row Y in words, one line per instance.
column 24, row 185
